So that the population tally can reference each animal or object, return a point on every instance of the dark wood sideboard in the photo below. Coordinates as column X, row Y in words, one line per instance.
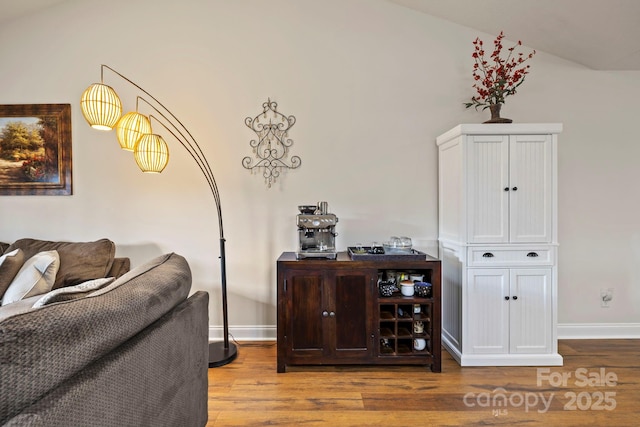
column 331, row 313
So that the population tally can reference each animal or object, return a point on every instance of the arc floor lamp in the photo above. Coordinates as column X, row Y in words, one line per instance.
column 102, row 108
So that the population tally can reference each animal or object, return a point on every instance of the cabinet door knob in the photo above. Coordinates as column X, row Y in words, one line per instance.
column 515, row 297
column 332, row 314
column 515, row 188
column 487, row 255
column 506, row 298
column 532, row 254
column 325, row 313
column 506, row 188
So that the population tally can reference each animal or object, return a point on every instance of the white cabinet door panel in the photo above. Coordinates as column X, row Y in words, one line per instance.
column 530, row 312
column 488, row 170
column 488, row 320
column 530, row 188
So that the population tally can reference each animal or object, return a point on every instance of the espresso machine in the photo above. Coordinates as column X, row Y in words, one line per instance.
column 316, row 232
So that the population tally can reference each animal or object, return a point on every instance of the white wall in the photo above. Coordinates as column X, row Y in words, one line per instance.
column 371, row 84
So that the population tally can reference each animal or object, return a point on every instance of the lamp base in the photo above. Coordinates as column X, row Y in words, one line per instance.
column 219, row 355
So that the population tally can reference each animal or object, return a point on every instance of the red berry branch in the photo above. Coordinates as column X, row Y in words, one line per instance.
column 496, row 78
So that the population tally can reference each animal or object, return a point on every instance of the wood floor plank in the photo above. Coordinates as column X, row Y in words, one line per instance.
column 249, row 391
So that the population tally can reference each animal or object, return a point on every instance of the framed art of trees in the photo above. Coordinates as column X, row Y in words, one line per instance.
column 35, row 149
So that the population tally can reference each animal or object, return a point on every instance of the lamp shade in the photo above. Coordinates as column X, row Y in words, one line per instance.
column 151, row 153
column 101, row 106
column 130, row 128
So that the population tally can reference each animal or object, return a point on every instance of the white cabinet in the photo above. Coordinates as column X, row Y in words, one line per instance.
column 498, row 241
column 512, row 311
column 509, row 181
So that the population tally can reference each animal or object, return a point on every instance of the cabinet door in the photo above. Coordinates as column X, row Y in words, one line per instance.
column 488, row 311
column 488, row 183
column 530, row 183
column 510, row 189
column 305, row 302
column 530, row 311
column 352, row 309
column 329, row 314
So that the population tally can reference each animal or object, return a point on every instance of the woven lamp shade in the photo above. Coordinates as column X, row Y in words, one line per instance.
column 101, row 106
column 130, row 128
column 151, row 153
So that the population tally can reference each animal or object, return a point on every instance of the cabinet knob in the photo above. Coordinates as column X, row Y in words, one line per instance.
column 506, row 298
column 532, row 254
column 515, row 188
column 487, row 255
column 515, row 297
column 325, row 313
column 506, row 188
column 332, row 314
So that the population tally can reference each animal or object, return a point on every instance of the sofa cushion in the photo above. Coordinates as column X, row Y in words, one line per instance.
column 44, row 347
column 157, row 378
column 79, row 261
column 23, row 306
column 10, row 264
column 119, row 267
column 57, row 295
column 69, row 293
column 35, row 277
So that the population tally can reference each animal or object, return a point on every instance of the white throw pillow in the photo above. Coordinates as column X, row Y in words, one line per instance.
column 71, row 292
column 35, row 277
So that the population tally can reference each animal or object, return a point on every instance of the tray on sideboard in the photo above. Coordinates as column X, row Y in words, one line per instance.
column 414, row 255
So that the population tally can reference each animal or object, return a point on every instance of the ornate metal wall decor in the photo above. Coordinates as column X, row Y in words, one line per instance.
column 272, row 144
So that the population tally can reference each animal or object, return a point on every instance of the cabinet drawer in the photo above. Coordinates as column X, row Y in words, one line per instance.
column 500, row 256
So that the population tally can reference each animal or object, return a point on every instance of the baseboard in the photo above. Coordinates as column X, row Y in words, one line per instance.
column 451, row 349
column 587, row 331
column 553, row 359
column 244, row 333
column 565, row 331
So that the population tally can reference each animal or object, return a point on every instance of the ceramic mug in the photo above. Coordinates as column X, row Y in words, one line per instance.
column 392, row 276
column 386, row 289
column 419, row 344
column 416, row 277
column 407, row 288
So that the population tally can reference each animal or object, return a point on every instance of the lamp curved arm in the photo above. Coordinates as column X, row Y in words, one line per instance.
column 186, row 139
column 195, row 153
column 189, row 143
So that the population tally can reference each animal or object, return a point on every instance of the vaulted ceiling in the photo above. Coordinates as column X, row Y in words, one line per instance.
column 599, row 34
column 11, row 10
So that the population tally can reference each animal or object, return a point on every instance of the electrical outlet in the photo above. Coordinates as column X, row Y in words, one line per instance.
column 606, row 296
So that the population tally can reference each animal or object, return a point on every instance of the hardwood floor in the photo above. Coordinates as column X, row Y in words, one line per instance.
column 598, row 385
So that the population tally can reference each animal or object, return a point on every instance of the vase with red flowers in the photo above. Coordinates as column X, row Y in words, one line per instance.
column 497, row 77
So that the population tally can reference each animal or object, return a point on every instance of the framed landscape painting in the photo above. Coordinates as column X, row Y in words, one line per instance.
column 35, row 149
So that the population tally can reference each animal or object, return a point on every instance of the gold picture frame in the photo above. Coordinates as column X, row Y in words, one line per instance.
column 35, row 149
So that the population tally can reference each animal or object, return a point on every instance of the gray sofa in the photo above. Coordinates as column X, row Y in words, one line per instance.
column 132, row 353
